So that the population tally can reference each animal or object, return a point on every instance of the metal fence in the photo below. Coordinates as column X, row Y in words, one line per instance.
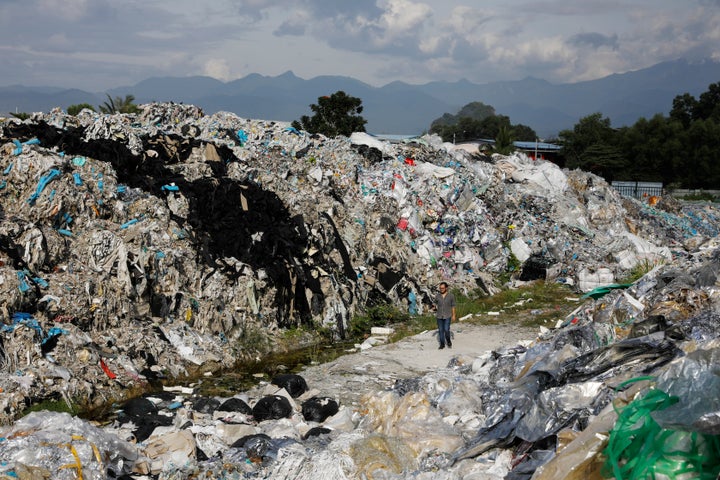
column 638, row 189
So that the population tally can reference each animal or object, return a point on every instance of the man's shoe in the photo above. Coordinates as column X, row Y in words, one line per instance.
column 449, row 344
column 441, row 347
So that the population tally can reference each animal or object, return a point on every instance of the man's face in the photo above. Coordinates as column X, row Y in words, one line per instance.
column 443, row 288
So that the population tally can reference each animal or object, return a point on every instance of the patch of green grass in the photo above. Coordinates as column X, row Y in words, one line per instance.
column 533, row 304
column 377, row 316
column 52, row 405
column 638, row 271
column 700, row 197
column 414, row 325
column 253, row 339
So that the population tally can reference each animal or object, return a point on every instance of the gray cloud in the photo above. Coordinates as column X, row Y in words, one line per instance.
column 108, row 42
column 261, row 9
column 296, row 27
column 398, row 29
column 565, row 8
column 594, row 40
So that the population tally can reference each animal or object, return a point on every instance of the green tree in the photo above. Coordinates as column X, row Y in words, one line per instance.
column 504, row 141
column 708, row 104
column 490, row 127
column 653, row 148
column 682, row 109
column 702, row 168
column 593, row 130
column 678, row 150
column 119, row 105
column 337, row 114
column 20, row 115
column 77, row 108
column 477, row 111
column 603, row 160
column 477, row 121
column 523, row 133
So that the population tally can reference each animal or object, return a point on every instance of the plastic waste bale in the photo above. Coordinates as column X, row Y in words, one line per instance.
column 695, row 380
column 589, row 279
column 558, row 407
column 342, row 421
column 580, row 456
column 63, row 446
column 174, row 451
column 211, row 440
column 376, row 455
column 257, row 446
column 412, row 419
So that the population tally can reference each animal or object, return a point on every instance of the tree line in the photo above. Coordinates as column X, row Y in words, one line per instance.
column 111, row 106
column 476, row 121
column 681, row 150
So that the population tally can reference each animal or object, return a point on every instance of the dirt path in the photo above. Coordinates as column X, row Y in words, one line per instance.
column 349, row 377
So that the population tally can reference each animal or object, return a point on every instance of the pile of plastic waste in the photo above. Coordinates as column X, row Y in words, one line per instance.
column 625, row 387
column 140, row 248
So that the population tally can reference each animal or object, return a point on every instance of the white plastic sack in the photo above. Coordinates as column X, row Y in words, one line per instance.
column 520, row 249
column 437, row 171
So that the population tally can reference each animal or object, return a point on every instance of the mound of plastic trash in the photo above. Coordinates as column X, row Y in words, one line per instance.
column 135, row 249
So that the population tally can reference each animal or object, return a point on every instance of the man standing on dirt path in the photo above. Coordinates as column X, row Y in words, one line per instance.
column 444, row 313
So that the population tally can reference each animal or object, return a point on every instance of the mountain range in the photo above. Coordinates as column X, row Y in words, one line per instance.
column 403, row 108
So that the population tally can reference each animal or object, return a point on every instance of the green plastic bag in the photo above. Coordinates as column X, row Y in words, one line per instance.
column 638, row 448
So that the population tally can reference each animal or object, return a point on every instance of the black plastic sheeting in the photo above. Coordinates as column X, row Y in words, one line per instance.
column 525, row 412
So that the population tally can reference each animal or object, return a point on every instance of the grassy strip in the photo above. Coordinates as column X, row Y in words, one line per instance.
column 531, row 305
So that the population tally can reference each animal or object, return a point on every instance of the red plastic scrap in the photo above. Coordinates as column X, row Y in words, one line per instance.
column 107, row 370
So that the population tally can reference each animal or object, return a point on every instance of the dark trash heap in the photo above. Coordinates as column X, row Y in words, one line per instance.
column 136, row 249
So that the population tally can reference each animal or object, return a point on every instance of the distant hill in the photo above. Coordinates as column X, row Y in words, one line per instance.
column 402, row 108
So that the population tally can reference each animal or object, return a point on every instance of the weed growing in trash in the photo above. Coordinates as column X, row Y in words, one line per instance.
column 530, row 305
column 638, row 271
column 51, row 406
column 377, row 316
column 700, row 197
column 512, row 267
column 254, row 340
column 534, row 304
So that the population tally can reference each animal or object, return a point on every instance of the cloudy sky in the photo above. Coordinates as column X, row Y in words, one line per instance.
column 100, row 44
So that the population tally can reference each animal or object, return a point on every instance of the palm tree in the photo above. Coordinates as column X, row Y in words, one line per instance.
column 504, row 141
column 119, row 105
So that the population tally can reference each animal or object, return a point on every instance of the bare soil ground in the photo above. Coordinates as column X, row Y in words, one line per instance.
column 348, row 377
